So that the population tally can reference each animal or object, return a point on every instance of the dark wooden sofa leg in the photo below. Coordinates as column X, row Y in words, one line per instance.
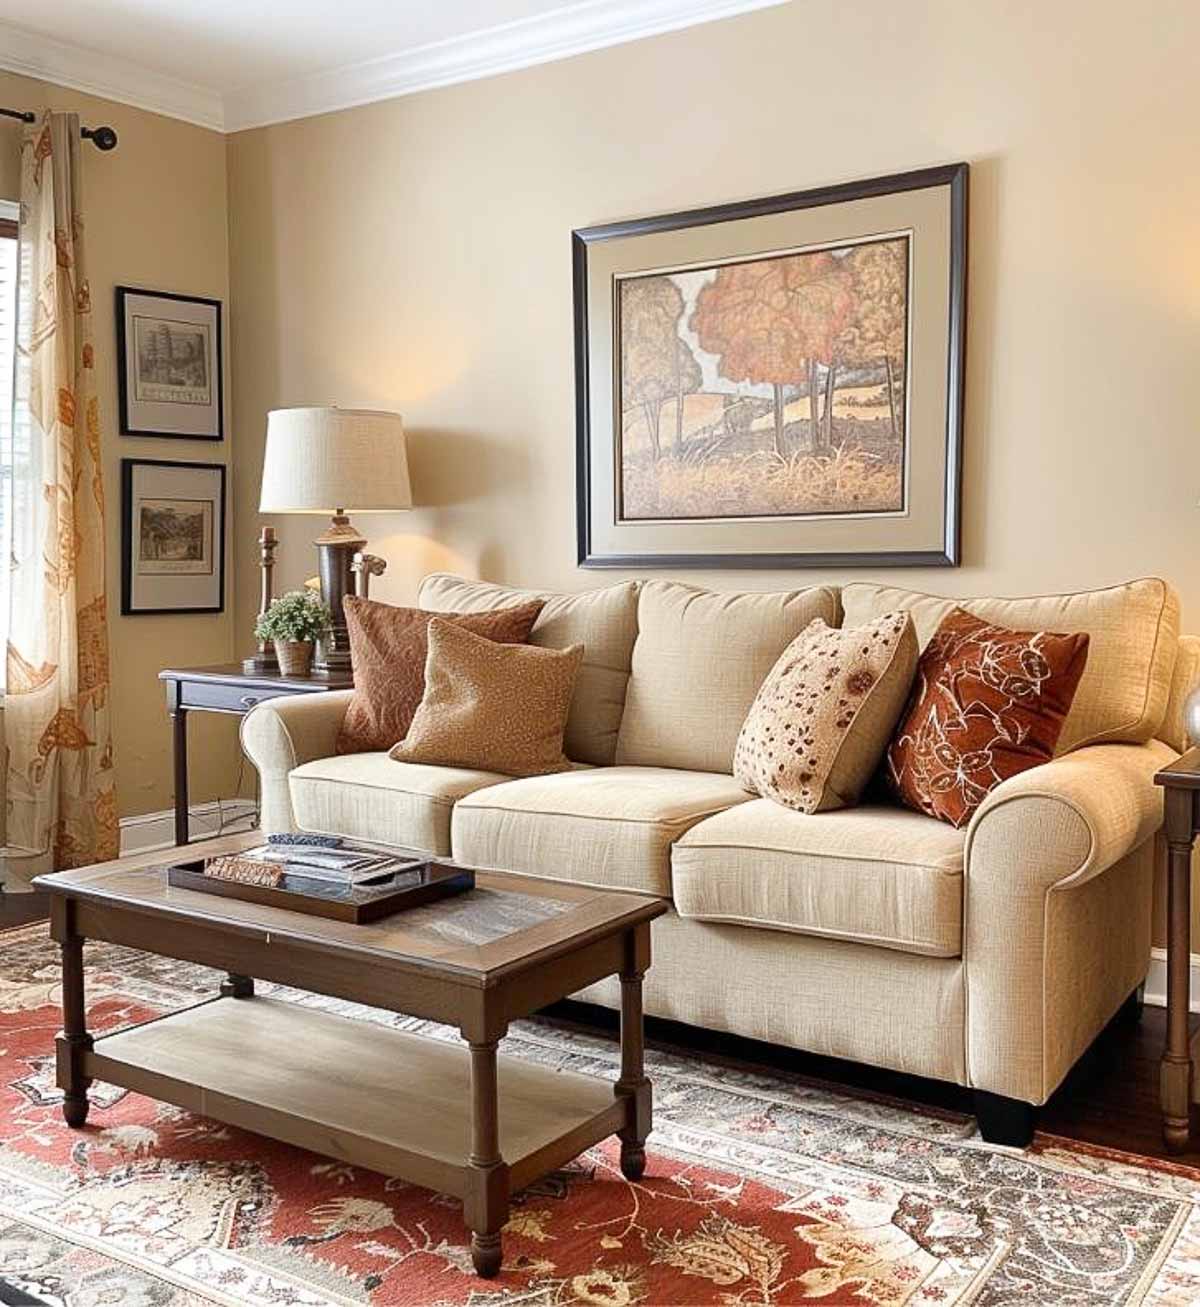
column 1130, row 1012
column 1004, row 1120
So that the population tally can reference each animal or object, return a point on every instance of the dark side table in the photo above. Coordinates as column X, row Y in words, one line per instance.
column 1181, row 783
column 226, row 688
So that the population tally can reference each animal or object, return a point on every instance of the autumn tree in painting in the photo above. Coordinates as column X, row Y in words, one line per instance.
column 656, row 364
column 876, row 331
column 774, row 321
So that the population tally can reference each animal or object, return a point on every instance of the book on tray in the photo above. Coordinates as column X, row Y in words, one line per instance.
column 345, row 864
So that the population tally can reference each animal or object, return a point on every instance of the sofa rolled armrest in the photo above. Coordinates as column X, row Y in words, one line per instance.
column 282, row 733
column 1058, row 883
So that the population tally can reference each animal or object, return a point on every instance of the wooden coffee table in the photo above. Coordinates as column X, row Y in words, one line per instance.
column 459, row 1120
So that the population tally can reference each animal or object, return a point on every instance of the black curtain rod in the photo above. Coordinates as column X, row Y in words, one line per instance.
column 103, row 138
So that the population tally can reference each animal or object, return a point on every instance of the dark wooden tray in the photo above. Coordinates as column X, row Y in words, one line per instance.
column 422, row 882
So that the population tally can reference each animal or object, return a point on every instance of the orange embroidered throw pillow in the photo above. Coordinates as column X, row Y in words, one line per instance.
column 388, row 648
column 987, row 704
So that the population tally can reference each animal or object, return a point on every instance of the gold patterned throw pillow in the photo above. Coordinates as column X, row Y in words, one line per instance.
column 492, row 707
column 822, row 719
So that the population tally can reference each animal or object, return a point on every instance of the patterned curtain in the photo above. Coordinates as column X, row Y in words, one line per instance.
column 61, row 784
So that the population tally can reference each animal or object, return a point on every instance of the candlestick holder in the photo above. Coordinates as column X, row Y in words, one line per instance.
column 265, row 660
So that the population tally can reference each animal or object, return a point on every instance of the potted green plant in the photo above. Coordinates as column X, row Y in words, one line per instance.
column 294, row 623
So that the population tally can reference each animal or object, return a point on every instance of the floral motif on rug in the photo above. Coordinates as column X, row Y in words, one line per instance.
column 761, row 1189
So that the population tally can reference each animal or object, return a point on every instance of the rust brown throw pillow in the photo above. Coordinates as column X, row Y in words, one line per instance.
column 388, row 647
column 491, row 707
column 823, row 717
column 987, row 704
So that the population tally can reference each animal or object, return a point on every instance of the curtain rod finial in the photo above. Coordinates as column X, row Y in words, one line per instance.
column 103, row 138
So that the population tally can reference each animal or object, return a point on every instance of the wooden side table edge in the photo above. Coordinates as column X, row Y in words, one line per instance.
column 1181, row 799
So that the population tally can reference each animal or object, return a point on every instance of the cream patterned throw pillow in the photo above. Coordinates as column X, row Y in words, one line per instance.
column 822, row 719
column 491, row 707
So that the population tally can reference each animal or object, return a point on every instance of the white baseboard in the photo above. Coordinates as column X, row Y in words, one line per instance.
column 1156, row 979
column 142, row 834
column 156, row 830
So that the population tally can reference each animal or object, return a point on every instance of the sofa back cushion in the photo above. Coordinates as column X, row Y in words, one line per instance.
column 1133, row 630
column 1184, row 679
column 603, row 621
column 699, row 659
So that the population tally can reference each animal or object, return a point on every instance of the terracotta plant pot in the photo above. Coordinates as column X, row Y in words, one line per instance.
column 295, row 656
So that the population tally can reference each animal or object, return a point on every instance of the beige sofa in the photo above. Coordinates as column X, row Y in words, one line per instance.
column 990, row 957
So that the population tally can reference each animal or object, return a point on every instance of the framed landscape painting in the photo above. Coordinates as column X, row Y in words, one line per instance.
column 172, row 537
column 777, row 382
column 169, row 365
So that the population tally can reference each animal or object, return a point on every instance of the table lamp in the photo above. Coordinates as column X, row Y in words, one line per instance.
column 332, row 461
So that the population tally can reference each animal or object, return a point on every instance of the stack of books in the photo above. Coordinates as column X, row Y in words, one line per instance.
column 348, row 866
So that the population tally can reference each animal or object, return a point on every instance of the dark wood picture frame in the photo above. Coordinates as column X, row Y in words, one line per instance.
column 127, row 535
column 123, row 406
column 955, row 177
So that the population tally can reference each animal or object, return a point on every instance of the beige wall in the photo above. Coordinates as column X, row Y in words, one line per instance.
column 414, row 254
column 156, row 217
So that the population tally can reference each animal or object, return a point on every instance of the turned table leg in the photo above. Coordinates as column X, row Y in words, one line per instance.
column 74, row 1040
column 1176, row 1073
column 485, row 1205
column 633, row 1085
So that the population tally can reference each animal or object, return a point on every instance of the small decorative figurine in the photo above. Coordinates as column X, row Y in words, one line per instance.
column 364, row 567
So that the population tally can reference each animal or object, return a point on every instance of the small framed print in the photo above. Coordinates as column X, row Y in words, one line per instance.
column 172, row 537
column 169, row 365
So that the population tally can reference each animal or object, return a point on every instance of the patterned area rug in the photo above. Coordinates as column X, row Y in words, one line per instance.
column 760, row 1189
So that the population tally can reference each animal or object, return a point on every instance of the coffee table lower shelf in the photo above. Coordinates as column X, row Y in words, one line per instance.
column 363, row 1093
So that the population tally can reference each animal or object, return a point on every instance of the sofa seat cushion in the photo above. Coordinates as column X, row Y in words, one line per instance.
column 607, row 827
column 369, row 796
column 875, row 875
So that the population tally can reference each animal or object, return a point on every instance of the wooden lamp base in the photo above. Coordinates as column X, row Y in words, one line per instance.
column 336, row 548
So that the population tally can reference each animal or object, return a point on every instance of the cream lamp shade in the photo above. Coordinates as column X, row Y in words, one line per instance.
column 329, row 460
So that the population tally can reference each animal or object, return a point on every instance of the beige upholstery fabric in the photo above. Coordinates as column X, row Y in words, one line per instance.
column 699, row 659
column 1134, row 631
column 1057, row 911
column 870, row 1005
column 877, row 875
column 283, row 733
column 370, row 796
column 610, row 827
column 603, row 621
column 1185, row 678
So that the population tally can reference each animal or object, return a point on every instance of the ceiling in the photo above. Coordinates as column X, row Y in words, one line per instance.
column 230, row 64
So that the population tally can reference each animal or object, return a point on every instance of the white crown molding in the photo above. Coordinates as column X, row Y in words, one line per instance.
column 559, row 34
column 85, row 70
